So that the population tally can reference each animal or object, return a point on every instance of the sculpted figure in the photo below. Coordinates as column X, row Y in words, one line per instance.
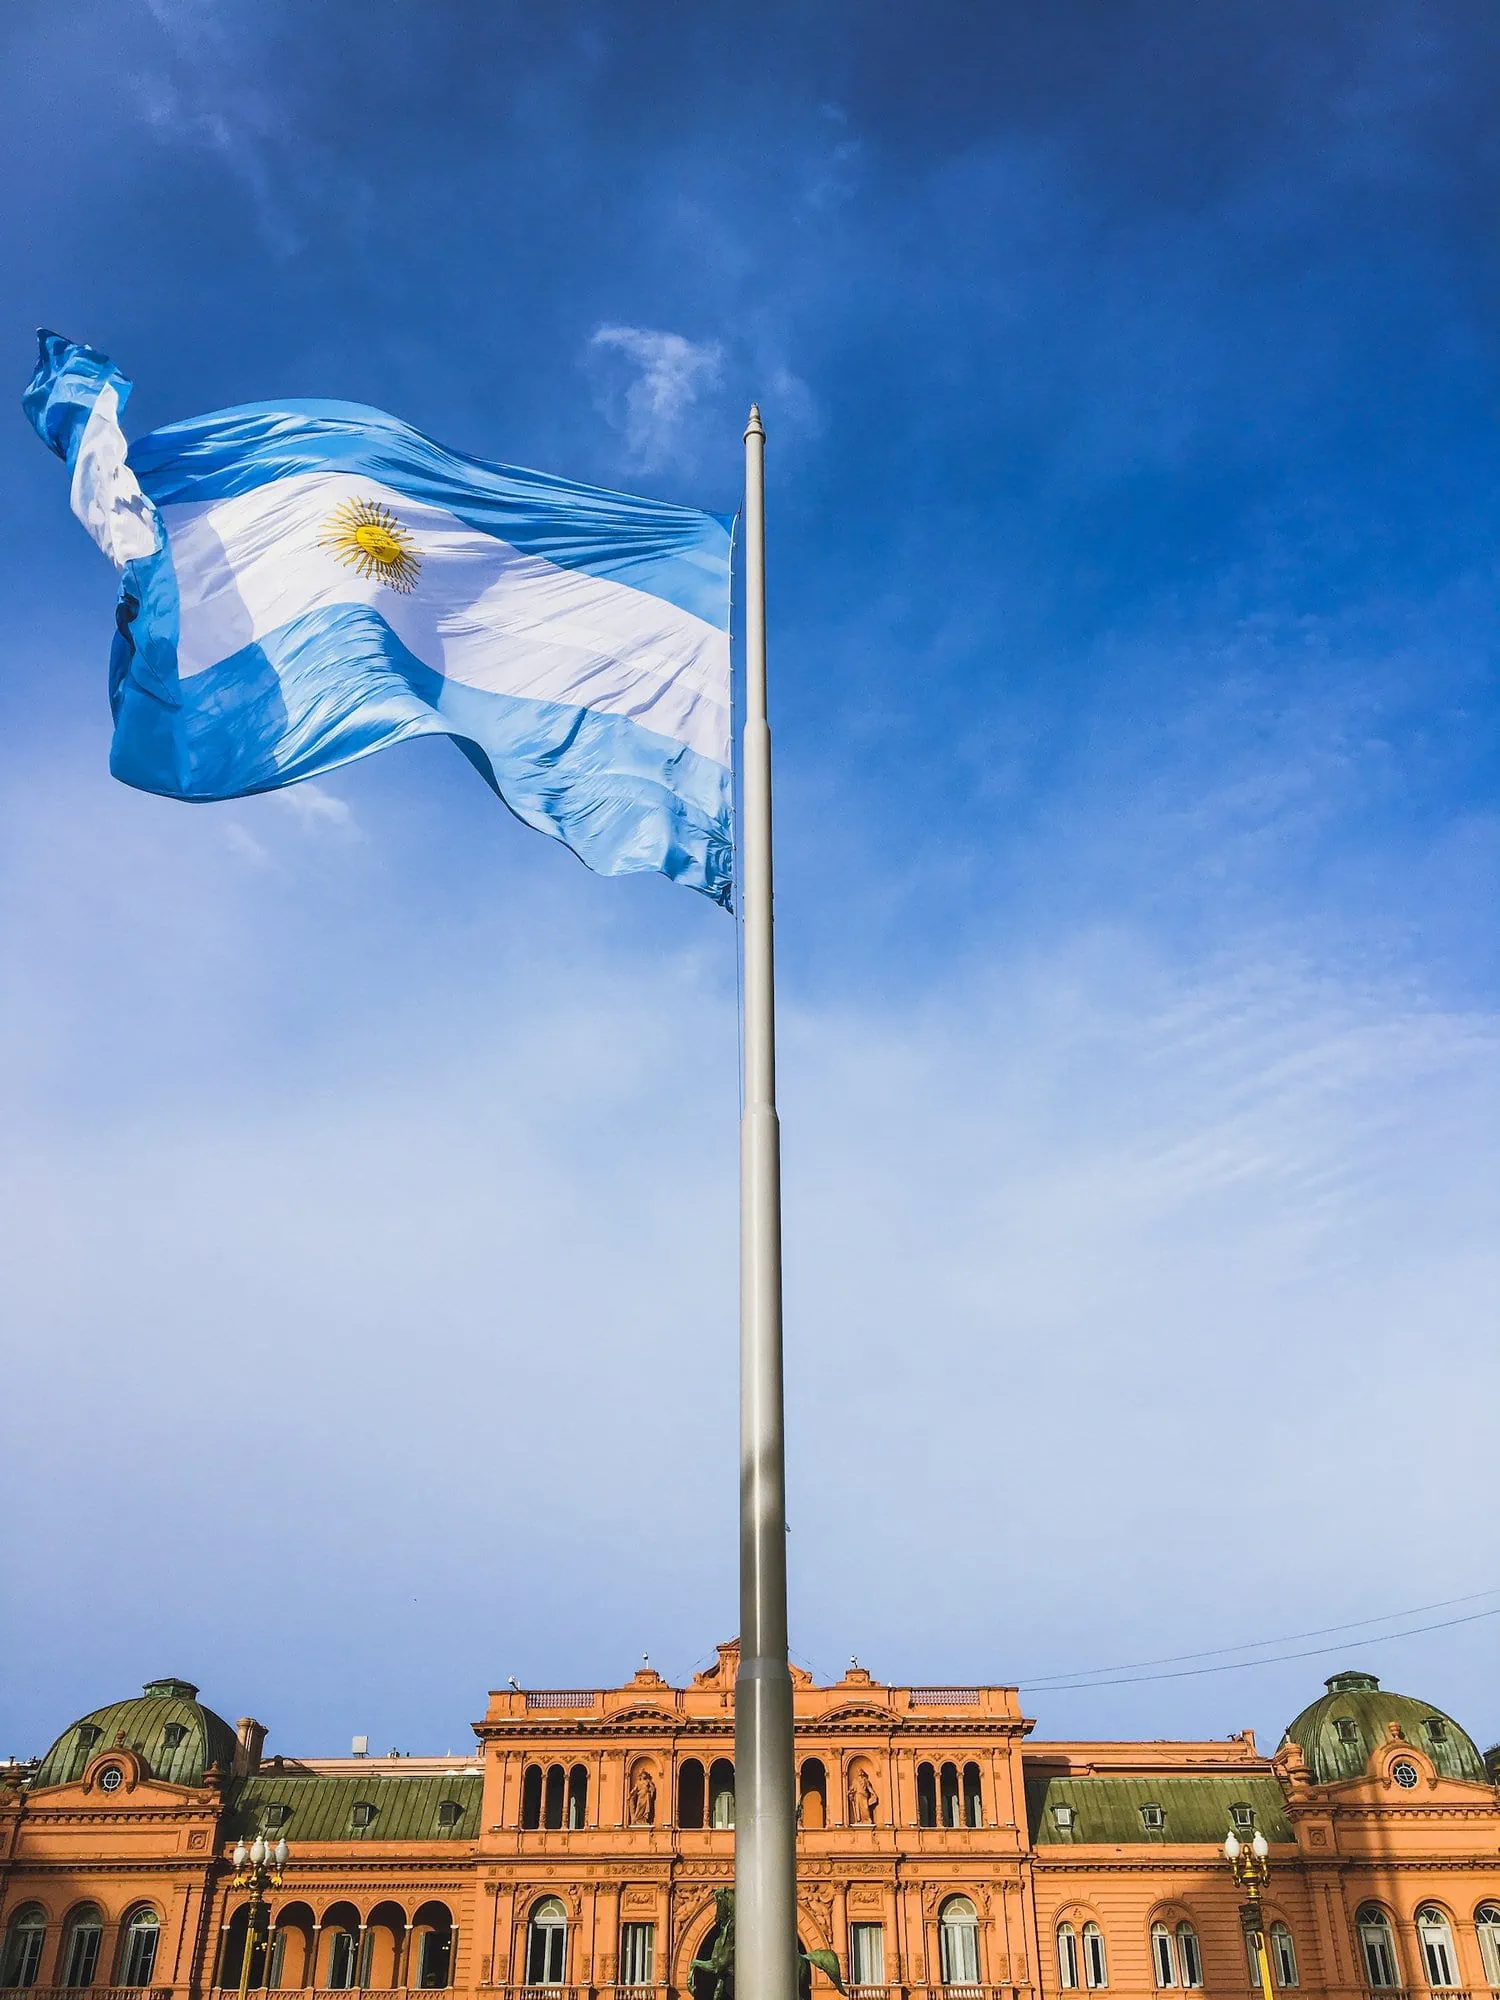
column 864, row 1800
column 643, row 1799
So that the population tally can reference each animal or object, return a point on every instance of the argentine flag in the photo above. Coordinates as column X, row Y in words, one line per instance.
column 305, row 582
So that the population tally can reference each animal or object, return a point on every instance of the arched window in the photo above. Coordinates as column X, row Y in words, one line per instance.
column 949, row 1807
column 23, row 1946
column 1439, row 1960
column 1487, row 1925
column 1283, row 1956
column 1163, row 1958
column 138, row 1959
column 721, row 1793
column 973, row 1810
column 1067, row 1957
column 340, row 1951
column 1189, row 1958
column 81, row 1954
column 690, row 1794
column 531, row 1797
column 958, row 1942
column 552, row 1808
column 1377, row 1946
column 926, row 1796
column 1095, row 1964
column 547, row 1944
column 432, row 1927
column 578, row 1798
column 812, row 1791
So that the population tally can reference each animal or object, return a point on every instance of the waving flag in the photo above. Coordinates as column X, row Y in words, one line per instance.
column 306, row 582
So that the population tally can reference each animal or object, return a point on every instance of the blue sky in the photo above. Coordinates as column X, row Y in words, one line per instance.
column 369, row 1193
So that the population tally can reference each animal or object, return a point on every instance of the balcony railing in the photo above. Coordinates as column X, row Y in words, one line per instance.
column 104, row 1992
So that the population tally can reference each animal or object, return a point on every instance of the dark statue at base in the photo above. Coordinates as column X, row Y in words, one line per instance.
column 712, row 1978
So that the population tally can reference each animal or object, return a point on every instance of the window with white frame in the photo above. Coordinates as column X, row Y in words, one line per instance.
column 138, row 1960
column 1095, row 1964
column 1435, row 1934
column 343, row 1960
column 1487, row 1927
column 1163, row 1958
column 1067, row 1957
column 547, row 1943
column 23, row 1946
column 958, row 1942
column 1283, row 1956
column 867, row 1954
column 1189, row 1958
column 1377, row 1947
column 85, row 1934
column 1153, row 1818
column 1243, row 1817
column 637, row 1954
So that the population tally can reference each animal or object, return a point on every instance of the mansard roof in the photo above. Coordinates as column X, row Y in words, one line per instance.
column 1196, row 1807
column 322, row 1808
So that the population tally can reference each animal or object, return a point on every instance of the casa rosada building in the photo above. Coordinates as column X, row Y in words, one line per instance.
column 574, row 1855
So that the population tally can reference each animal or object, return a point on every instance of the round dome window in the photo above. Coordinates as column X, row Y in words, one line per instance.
column 111, row 1776
column 1405, row 1774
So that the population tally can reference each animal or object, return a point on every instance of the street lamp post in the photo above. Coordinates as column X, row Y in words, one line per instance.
column 1251, row 1869
column 256, row 1868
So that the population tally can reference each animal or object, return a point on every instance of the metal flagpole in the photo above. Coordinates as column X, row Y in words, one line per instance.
column 765, row 1860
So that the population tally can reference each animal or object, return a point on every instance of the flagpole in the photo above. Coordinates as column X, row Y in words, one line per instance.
column 765, row 1861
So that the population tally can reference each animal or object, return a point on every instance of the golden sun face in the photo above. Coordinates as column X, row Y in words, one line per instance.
column 366, row 536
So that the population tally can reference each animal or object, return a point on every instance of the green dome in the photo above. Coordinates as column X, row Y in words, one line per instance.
column 165, row 1724
column 1340, row 1730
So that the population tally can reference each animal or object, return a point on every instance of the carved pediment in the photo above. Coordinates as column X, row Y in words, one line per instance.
column 852, row 1715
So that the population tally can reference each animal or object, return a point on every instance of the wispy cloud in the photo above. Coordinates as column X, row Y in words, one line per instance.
column 314, row 807
column 649, row 384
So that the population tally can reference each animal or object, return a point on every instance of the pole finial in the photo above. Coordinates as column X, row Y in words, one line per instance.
column 755, row 428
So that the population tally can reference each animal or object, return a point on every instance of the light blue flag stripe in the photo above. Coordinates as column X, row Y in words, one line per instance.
column 675, row 553
column 262, row 640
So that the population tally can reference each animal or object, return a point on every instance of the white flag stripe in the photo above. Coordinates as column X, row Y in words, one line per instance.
column 481, row 612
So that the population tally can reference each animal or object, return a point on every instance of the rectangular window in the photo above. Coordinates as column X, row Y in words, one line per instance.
column 1380, row 1960
column 1067, row 1957
column 1095, row 1970
column 958, row 1954
column 1187, row 1947
column 1283, row 1955
column 24, row 1954
column 341, row 1952
column 637, row 1954
column 867, row 1954
column 432, row 1959
column 83, row 1955
column 1439, row 1964
column 1162, row 1957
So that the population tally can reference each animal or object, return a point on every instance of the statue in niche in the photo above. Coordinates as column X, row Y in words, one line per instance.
column 712, row 1978
column 864, row 1800
column 642, row 1803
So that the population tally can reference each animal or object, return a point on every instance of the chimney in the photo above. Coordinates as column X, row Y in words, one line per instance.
column 251, row 1735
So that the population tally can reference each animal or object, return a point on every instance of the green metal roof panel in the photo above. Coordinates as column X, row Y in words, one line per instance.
column 1195, row 1809
column 322, row 1809
column 1367, row 1711
column 143, row 1725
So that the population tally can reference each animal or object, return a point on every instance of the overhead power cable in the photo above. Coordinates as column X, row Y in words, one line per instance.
column 1254, row 1645
column 1268, row 1660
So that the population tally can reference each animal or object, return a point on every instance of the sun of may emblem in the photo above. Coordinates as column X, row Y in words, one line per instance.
column 366, row 536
